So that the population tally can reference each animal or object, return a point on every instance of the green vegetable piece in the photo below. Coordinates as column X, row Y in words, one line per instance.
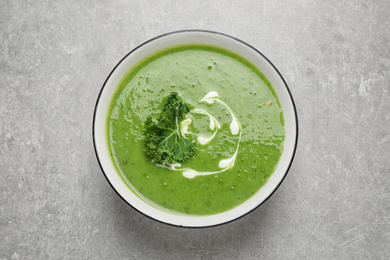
column 163, row 142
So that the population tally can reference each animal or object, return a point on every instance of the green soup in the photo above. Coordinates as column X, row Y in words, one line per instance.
column 232, row 161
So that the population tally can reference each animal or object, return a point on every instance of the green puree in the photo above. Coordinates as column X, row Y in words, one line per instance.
column 193, row 71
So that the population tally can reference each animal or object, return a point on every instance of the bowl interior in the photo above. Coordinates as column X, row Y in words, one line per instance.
column 189, row 37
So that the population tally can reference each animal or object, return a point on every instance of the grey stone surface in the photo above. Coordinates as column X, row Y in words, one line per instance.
column 55, row 202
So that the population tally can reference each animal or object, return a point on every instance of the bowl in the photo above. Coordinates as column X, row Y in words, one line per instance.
column 194, row 37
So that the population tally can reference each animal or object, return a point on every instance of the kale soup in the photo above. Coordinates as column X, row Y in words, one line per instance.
column 195, row 129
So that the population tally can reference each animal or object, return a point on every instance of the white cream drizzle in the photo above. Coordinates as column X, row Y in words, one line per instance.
column 235, row 128
column 184, row 127
column 214, row 126
column 210, row 97
column 228, row 163
column 204, row 140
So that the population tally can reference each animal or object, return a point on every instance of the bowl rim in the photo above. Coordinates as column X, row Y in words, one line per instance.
column 206, row 32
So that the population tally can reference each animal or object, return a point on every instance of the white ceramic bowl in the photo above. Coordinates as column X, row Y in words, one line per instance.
column 188, row 37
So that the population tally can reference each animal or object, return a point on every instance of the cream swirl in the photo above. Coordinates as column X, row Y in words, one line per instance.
column 214, row 125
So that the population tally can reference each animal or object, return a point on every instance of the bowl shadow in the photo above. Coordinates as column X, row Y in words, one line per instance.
column 153, row 239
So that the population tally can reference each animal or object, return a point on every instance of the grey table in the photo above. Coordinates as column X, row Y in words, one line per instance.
column 55, row 202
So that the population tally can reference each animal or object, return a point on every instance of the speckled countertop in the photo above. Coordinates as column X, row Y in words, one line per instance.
column 55, row 202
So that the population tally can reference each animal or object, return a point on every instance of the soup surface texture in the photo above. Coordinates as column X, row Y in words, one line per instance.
column 236, row 121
